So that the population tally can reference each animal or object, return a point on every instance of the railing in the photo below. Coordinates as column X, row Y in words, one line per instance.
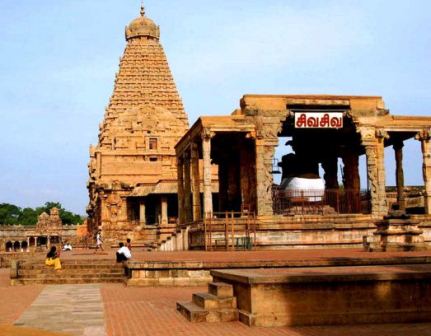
column 227, row 230
column 309, row 201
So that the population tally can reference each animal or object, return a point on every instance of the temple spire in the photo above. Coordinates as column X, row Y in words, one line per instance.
column 142, row 8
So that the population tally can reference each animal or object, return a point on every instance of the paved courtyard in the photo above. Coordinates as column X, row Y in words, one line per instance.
column 117, row 310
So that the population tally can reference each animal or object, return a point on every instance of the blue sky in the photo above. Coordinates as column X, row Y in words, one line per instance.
column 59, row 57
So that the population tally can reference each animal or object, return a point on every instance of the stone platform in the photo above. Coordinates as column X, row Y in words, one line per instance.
column 193, row 268
column 331, row 295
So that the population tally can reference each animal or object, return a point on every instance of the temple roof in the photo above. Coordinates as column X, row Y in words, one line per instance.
column 142, row 26
column 144, row 82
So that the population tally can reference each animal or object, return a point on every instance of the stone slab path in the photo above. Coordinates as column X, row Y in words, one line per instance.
column 72, row 309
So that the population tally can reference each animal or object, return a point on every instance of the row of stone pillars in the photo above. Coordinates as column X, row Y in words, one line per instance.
column 189, row 181
column 374, row 150
column 26, row 244
column 163, row 216
column 372, row 140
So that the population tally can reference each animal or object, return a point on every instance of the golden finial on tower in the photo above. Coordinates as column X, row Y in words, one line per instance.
column 142, row 8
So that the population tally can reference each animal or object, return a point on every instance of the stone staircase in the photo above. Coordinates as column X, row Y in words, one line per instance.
column 72, row 272
column 218, row 305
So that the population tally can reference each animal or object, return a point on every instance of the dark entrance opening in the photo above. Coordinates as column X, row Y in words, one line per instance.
column 320, row 170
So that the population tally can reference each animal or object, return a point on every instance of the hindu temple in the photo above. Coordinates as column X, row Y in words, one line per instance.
column 133, row 181
column 157, row 181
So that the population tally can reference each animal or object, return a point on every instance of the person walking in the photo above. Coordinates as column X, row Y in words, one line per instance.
column 99, row 241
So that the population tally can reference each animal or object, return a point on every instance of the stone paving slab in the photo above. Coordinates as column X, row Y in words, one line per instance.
column 72, row 309
column 14, row 300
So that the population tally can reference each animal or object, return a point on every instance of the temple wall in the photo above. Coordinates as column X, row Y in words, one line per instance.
column 19, row 233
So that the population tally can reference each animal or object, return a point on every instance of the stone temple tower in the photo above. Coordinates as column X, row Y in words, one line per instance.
column 133, row 176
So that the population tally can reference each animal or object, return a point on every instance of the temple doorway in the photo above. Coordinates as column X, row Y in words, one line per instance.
column 318, row 161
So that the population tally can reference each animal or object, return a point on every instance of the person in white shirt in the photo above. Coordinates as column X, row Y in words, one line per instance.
column 67, row 247
column 123, row 253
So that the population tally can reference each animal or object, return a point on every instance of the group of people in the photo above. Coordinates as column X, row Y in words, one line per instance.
column 123, row 253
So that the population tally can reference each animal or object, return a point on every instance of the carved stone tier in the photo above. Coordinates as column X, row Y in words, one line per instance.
column 397, row 232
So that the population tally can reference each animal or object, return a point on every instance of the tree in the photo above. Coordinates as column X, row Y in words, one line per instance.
column 28, row 216
column 9, row 214
column 13, row 215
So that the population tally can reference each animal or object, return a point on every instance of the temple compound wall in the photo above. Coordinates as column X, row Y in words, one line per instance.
column 321, row 130
column 133, row 173
column 48, row 231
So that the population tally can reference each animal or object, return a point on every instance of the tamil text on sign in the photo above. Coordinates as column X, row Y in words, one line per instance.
column 319, row 120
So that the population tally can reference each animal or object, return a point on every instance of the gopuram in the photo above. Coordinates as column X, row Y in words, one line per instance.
column 133, row 182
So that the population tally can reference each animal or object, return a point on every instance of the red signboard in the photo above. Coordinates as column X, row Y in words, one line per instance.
column 318, row 120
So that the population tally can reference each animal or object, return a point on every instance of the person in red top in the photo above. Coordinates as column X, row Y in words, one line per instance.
column 129, row 244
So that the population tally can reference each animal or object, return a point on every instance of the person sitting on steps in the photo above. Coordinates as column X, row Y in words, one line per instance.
column 67, row 247
column 53, row 258
column 123, row 253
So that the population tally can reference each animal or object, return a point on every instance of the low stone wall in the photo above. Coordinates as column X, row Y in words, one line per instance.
column 198, row 273
column 7, row 258
column 148, row 274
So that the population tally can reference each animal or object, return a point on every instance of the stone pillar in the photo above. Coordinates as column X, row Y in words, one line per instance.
column 264, row 155
column 35, row 242
column 196, row 182
column 28, row 244
column 381, row 135
column 207, row 174
column 142, row 213
column 399, row 173
column 180, row 177
column 187, row 189
column 352, row 182
column 370, row 152
column 373, row 142
column 424, row 137
column 330, row 166
column 247, row 176
column 352, row 179
column 164, row 210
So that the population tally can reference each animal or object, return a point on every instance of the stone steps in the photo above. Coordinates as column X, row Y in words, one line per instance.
column 220, row 289
column 78, row 268
column 64, row 281
column 62, row 273
column 218, row 305
column 72, row 272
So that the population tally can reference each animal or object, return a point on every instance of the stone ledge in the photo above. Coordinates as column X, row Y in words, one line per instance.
column 326, row 274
